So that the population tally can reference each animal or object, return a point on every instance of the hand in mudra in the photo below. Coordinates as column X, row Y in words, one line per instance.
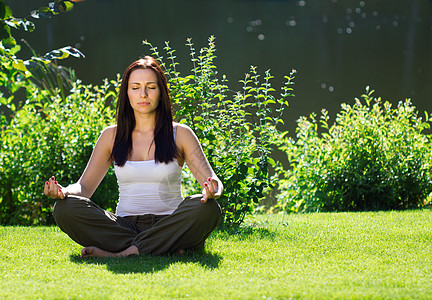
column 211, row 190
column 53, row 189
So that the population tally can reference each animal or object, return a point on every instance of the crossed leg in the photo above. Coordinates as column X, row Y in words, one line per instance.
column 104, row 234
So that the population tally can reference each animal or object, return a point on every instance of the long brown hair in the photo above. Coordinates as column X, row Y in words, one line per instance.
column 165, row 147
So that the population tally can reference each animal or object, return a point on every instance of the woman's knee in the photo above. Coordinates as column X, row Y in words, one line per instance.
column 209, row 211
column 213, row 209
column 65, row 209
column 61, row 209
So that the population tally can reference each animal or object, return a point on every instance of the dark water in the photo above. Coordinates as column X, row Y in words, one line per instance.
column 338, row 47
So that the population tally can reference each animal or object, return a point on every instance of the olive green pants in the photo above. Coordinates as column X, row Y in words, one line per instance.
column 186, row 228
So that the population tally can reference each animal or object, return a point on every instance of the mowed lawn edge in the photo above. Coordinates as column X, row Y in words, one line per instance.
column 374, row 255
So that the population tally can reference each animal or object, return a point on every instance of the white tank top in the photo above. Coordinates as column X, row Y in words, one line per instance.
column 147, row 187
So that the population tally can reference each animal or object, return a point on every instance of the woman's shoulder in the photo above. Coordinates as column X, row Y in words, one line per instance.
column 185, row 136
column 105, row 141
column 110, row 130
column 183, row 130
column 182, row 127
column 108, row 133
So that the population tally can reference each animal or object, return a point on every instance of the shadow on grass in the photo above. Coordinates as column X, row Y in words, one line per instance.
column 153, row 264
column 244, row 232
column 149, row 263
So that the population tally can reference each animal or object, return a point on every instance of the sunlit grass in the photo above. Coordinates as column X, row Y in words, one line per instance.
column 312, row 256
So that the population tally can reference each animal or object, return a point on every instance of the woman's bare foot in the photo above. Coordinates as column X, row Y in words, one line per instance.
column 98, row 252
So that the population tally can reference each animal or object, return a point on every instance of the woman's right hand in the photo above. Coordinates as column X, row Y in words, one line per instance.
column 53, row 189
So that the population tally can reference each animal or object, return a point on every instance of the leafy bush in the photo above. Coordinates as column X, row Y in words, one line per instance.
column 238, row 130
column 39, row 130
column 374, row 157
column 54, row 139
column 17, row 74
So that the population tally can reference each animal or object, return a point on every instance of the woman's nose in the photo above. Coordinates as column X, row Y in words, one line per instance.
column 143, row 93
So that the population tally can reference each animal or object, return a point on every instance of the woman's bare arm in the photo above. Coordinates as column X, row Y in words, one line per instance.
column 197, row 162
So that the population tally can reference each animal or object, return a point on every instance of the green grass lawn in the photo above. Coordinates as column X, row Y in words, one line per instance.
column 304, row 256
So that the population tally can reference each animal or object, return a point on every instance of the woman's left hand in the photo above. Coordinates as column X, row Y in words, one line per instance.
column 211, row 190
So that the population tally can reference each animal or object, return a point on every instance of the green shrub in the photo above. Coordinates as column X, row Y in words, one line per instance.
column 41, row 131
column 18, row 77
column 54, row 139
column 238, row 130
column 374, row 157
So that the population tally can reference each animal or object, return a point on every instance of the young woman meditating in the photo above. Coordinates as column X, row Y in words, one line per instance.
column 148, row 151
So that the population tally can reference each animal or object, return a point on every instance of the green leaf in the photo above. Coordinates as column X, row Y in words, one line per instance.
column 65, row 6
column 20, row 24
column 9, row 42
column 4, row 32
column 19, row 64
column 54, row 8
column 42, row 13
column 63, row 53
column 14, row 50
column 5, row 10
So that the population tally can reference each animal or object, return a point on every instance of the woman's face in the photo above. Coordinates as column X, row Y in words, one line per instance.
column 143, row 91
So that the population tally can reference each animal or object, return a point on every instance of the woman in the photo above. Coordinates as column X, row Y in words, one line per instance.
column 148, row 151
